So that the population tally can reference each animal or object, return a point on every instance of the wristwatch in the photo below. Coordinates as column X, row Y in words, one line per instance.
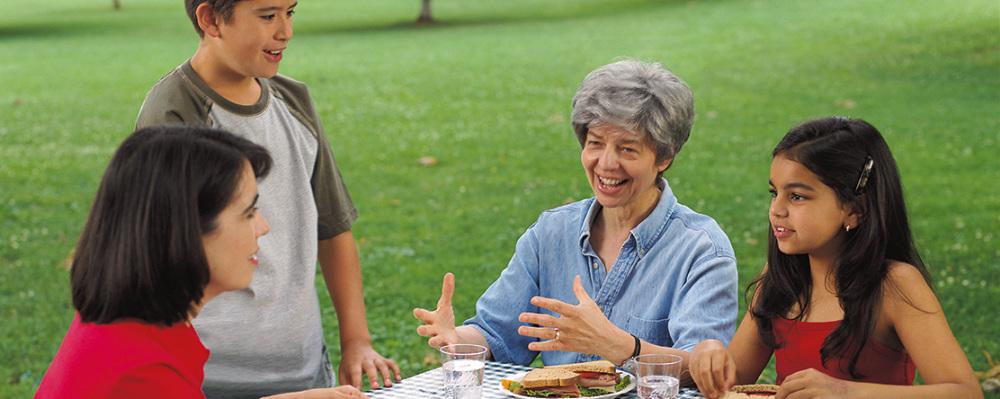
column 629, row 364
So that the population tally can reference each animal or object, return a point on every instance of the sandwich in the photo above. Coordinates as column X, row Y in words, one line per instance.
column 543, row 382
column 569, row 380
column 756, row 391
column 598, row 375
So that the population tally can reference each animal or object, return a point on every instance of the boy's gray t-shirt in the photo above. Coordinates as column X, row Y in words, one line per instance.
column 267, row 338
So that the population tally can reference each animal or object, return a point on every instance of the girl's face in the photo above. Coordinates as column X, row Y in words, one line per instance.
column 806, row 215
column 232, row 247
column 621, row 168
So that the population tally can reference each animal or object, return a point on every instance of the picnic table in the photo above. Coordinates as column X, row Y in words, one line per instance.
column 429, row 384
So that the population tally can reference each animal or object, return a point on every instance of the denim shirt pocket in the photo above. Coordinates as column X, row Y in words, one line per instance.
column 653, row 331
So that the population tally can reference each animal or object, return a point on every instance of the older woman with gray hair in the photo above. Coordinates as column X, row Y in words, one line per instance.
column 630, row 271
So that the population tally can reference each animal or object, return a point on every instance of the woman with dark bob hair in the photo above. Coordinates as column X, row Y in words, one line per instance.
column 173, row 225
column 628, row 271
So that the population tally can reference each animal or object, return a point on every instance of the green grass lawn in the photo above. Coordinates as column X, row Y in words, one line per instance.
column 487, row 93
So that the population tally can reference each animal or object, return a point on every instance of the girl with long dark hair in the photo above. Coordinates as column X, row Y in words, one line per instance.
column 844, row 303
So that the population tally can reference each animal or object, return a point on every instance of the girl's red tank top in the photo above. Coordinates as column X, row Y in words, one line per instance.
column 799, row 344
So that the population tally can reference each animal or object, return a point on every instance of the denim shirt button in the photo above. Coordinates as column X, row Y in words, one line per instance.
column 642, row 252
column 595, row 266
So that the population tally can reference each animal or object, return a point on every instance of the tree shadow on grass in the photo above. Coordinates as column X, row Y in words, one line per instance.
column 57, row 23
column 46, row 29
column 101, row 18
column 485, row 18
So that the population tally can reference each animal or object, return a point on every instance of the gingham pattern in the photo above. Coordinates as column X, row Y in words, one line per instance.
column 428, row 385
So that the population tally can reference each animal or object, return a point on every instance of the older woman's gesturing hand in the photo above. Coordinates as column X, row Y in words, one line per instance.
column 580, row 328
column 439, row 325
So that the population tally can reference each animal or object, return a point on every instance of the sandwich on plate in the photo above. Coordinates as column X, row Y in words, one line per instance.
column 598, row 375
column 570, row 381
column 544, row 382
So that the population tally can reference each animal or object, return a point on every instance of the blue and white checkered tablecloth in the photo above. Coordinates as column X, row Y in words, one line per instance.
column 429, row 385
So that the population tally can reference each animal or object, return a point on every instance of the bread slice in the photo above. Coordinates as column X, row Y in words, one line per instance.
column 596, row 366
column 755, row 391
column 546, row 377
column 755, row 388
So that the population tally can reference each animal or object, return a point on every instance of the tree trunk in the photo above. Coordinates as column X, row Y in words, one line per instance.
column 116, row 4
column 425, row 13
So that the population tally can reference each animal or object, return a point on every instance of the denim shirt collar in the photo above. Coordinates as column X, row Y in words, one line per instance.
column 647, row 232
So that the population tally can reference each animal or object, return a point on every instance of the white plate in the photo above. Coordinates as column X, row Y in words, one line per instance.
column 517, row 377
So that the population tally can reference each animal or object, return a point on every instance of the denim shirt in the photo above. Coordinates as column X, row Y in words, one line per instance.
column 674, row 283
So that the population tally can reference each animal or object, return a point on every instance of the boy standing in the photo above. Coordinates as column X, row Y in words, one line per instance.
column 268, row 338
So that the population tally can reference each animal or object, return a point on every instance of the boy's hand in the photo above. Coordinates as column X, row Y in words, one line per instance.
column 712, row 368
column 439, row 324
column 361, row 359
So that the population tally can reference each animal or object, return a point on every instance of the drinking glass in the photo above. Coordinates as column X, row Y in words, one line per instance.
column 463, row 366
column 659, row 375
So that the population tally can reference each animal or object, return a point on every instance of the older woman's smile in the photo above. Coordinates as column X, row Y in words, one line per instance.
column 610, row 184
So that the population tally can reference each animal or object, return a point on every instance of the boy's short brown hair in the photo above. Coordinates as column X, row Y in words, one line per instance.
column 222, row 8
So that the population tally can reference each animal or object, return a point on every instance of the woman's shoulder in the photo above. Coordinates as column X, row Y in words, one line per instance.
column 93, row 356
column 126, row 336
column 693, row 218
column 698, row 227
column 564, row 222
column 572, row 213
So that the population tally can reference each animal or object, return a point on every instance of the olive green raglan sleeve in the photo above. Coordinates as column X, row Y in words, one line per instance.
column 176, row 99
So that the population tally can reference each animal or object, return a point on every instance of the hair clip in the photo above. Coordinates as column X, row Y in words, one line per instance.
column 867, row 171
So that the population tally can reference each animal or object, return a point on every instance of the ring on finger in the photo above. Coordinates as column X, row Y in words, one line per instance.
column 557, row 335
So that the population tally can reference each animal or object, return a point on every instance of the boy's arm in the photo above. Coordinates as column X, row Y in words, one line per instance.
column 338, row 258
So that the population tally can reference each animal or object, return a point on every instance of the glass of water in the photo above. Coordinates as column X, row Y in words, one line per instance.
column 463, row 366
column 659, row 375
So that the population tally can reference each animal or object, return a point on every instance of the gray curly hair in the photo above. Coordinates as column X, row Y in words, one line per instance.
column 644, row 98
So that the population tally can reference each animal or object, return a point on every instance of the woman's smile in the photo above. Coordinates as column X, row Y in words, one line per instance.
column 607, row 184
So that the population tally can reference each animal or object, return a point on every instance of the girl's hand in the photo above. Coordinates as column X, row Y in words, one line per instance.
column 712, row 368
column 811, row 383
column 439, row 324
column 341, row 392
column 346, row 391
column 582, row 328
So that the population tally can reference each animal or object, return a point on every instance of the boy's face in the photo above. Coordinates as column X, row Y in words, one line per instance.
column 255, row 36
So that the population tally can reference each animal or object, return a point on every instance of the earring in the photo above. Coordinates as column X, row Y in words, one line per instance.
column 847, row 228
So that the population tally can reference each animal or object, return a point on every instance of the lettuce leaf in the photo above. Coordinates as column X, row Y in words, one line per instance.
column 623, row 383
column 537, row 394
column 516, row 387
column 585, row 392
